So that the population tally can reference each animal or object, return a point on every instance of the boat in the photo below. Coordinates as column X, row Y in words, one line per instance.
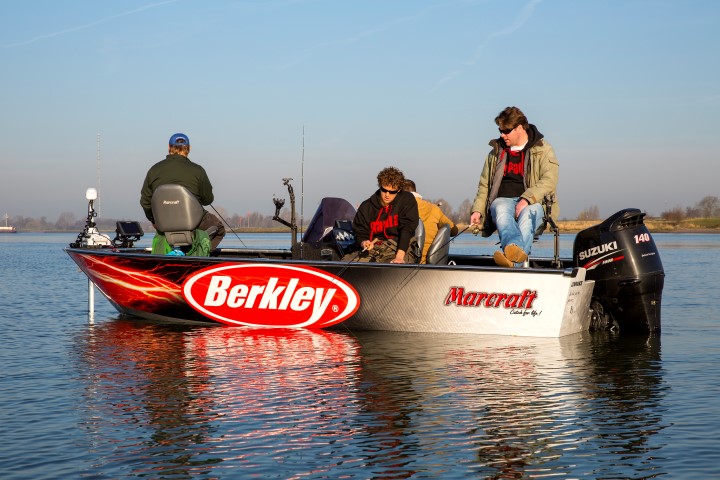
column 7, row 228
column 613, row 281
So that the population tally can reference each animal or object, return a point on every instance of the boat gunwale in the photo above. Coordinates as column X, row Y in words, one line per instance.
column 142, row 252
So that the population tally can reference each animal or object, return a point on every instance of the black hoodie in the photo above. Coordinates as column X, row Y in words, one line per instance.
column 513, row 181
column 398, row 220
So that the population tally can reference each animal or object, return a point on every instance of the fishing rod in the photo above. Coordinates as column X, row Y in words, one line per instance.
column 228, row 225
column 414, row 271
column 357, row 255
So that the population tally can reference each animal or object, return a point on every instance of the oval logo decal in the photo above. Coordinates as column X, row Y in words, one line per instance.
column 270, row 295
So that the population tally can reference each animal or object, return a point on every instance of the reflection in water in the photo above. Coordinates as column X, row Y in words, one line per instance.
column 147, row 393
column 502, row 407
column 186, row 402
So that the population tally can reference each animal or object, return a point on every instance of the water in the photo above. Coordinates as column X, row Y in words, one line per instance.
column 105, row 397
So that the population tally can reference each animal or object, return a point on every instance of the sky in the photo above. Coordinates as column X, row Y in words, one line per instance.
column 329, row 92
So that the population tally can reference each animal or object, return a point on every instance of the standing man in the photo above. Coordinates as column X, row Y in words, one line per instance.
column 432, row 217
column 178, row 169
column 520, row 170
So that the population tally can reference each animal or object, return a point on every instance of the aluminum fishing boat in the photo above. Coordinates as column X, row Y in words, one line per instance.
column 614, row 279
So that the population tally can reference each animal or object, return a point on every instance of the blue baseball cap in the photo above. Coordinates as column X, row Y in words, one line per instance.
column 179, row 139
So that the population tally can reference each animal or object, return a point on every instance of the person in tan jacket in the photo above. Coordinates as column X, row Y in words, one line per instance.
column 520, row 170
column 432, row 217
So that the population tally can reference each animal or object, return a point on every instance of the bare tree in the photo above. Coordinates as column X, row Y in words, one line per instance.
column 592, row 213
column 709, row 207
column 462, row 215
column 65, row 221
column 673, row 215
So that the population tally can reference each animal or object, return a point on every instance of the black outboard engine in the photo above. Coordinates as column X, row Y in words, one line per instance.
column 621, row 256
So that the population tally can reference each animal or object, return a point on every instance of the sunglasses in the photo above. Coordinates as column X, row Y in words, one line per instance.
column 506, row 131
column 391, row 192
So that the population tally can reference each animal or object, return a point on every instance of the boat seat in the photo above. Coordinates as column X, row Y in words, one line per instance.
column 547, row 221
column 177, row 214
column 420, row 239
column 439, row 251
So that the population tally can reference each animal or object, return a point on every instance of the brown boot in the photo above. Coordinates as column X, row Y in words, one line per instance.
column 501, row 260
column 515, row 253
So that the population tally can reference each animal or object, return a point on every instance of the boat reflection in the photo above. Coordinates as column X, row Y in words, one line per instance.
column 186, row 401
column 176, row 400
column 523, row 405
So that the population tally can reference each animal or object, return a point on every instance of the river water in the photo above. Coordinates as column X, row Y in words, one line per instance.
column 107, row 397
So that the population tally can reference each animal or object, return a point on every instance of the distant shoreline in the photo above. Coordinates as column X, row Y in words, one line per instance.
column 697, row 225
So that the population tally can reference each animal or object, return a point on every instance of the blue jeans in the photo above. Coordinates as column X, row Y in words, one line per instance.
column 521, row 231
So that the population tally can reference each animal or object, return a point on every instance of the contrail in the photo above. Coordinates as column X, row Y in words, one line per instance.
column 87, row 25
column 520, row 20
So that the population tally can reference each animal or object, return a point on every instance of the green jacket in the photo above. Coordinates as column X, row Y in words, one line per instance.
column 540, row 178
column 200, row 246
column 180, row 170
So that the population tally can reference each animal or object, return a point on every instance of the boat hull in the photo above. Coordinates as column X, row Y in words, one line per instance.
column 270, row 292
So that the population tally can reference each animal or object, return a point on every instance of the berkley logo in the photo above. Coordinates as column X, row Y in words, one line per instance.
column 270, row 295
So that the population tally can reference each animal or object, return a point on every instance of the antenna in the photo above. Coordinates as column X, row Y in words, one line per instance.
column 302, row 182
column 98, row 173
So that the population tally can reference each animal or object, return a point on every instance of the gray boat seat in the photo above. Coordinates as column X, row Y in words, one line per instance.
column 420, row 239
column 177, row 214
column 439, row 251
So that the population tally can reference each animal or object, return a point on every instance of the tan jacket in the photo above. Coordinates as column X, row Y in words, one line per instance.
column 433, row 218
column 541, row 177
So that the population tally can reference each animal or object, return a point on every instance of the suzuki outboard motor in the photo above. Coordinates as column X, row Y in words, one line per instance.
column 621, row 256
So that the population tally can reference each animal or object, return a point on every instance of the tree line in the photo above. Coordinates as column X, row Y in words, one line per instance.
column 707, row 207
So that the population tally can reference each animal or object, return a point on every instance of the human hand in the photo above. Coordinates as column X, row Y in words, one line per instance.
column 476, row 223
column 520, row 206
column 399, row 257
column 367, row 244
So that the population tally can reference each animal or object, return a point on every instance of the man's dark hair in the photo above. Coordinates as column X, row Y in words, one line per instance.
column 511, row 117
column 391, row 176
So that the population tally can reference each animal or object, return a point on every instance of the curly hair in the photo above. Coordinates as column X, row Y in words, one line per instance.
column 391, row 176
column 179, row 149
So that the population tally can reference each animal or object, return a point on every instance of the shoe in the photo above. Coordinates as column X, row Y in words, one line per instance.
column 515, row 253
column 501, row 260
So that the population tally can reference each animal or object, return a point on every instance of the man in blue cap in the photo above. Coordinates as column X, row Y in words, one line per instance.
column 178, row 169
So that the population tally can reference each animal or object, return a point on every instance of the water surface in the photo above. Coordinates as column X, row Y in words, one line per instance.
column 110, row 397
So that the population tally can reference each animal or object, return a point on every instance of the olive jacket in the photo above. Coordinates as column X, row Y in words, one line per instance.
column 540, row 177
column 180, row 170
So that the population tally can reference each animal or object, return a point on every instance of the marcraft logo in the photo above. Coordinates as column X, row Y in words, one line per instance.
column 270, row 296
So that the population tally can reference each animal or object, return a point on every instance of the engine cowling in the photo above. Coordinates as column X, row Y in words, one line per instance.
column 622, row 258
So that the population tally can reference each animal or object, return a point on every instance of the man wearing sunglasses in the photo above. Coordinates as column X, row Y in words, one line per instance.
column 520, row 170
column 385, row 223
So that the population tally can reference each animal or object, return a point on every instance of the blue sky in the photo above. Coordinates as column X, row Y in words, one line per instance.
column 628, row 93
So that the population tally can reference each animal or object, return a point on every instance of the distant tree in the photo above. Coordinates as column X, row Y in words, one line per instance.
column 676, row 215
column 709, row 207
column 693, row 212
column 444, row 205
column 65, row 221
column 592, row 213
column 462, row 214
column 235, row 220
